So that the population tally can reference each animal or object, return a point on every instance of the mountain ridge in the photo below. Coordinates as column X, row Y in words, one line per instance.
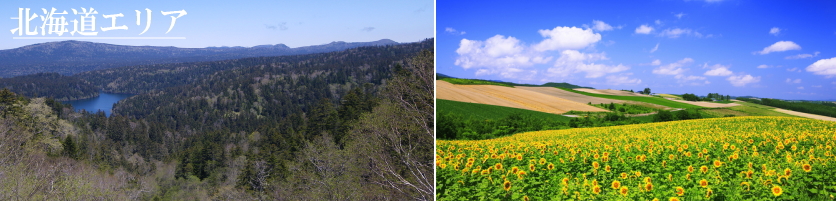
column 72, row 56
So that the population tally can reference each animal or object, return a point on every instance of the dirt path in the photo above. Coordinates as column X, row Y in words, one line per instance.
column 801, row 114
column 509, row 97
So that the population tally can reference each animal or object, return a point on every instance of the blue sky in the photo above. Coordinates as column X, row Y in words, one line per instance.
column 779, row 49
column 240, row 22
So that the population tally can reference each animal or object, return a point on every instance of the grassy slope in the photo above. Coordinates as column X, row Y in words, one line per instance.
column 482, row 111
column 654, row 100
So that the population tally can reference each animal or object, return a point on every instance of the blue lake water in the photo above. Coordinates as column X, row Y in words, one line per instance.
column 103, row 102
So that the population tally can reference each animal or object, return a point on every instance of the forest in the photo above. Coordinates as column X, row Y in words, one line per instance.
column 348, row 125
column 52, row 85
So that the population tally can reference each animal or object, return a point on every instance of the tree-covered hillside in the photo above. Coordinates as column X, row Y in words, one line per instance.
column 350, row 125
column 52, row 85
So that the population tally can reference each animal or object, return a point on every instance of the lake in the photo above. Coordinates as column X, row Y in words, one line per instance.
column 103, row 102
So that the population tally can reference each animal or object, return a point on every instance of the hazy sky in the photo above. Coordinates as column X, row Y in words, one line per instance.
column 777, row 49
column 238, row 22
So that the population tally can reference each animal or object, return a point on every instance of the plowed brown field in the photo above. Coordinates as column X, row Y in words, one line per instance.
column 509, row 97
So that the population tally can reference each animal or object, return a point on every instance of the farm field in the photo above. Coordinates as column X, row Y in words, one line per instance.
column 737, row 158
column 484, row 112
column 580, row 98
column 509, row 97
column 611, row 92
column 707, row 104
column 646, row 99
column 801, row 114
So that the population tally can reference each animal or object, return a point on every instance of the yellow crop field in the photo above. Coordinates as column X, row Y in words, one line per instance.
column 738, row 158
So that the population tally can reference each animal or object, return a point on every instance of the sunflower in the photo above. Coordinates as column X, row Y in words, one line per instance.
column 498, row 166
column 673, row 199
column 442, row 166
column 607, row 168
column 655, row 199
column 787, row 172
column 595, row 165
column 531, row 167
column 550, row 166
column 525, row 198
column 690, row 168
column 515, row 170
column 806, row 167
column 565, row 181
column 679, row 191
column 486, row 171
column 594, row 182
column 776, row 190
column 506, row 185
column 623, row 175
column 703, row 183
column 616, row 184
column 704, row 169
column 638, row 173
column 542, row 161
column 596, row 189
column 623, row 191
column 520, row 174
column 648, row 186
column 519, row 157
column 717, row 163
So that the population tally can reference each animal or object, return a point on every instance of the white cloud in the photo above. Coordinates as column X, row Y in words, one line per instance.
column 775, row 31
column 794, row 70
column 453, row 31
column 763, row 66
column 823, row 67
column 743, row 80
column 572, row 61
column 689, row 78
column 800, row 88
column 791, row 81
column 497, row 55
column 656, row 62
column 564, row 38
column 679, row 15
column 718, row 70
column 655, row 48
column 673, row 68
column 658, row 22
column 780, row 46
column 802, row 56
column 644, row 29
column 816, row 86
column 598, row 25
column 675, row 33
column 622, row 80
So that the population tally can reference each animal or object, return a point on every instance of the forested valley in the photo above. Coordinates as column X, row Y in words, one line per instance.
column 348, row 125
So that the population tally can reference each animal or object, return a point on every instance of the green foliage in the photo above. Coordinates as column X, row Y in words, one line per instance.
column 51, row 85
column 625, row 108
column 686, row 114
column 653, row 100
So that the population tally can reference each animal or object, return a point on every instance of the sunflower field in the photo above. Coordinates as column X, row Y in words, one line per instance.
column 738, row 158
